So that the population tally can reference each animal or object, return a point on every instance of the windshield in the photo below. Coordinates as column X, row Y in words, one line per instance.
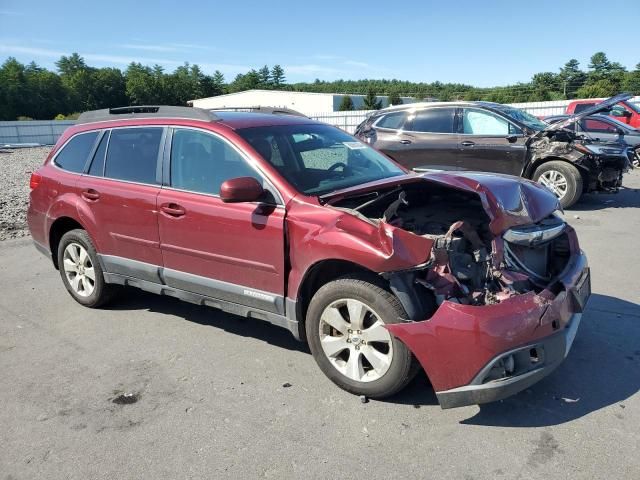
column 521, row 116
column 318, row 159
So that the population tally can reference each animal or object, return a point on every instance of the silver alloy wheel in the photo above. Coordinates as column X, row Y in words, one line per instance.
column 355, row 341
column 78, row 269
column 554, row 181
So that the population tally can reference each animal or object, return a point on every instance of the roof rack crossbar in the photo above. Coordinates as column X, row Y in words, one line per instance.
column 146, row 111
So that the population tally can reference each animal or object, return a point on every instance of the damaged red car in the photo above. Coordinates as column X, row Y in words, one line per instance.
column 473, row 277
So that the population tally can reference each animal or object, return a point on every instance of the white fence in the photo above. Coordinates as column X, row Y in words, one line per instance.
column 347, row 121
column 46, row 132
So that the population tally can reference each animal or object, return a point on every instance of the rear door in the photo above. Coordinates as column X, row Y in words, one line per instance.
column 429, row 139
column 120, row 190
column 490, row 143
column 230, row 251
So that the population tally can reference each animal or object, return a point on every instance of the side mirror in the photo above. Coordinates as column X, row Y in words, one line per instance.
column 512, row 138
column 241, row 189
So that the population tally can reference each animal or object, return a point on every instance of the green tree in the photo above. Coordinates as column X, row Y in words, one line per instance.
column 277, row 76
column 346, row 104
column 13, row 89
column 632, row 81
column 394, row 98
column 571, row 78
column 371, row 101
column 248, row 81
column 110, row 89
column 265, row 77
column 598, row 88
column 144, row 85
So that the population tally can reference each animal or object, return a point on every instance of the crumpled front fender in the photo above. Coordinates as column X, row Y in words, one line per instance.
column 458, row 340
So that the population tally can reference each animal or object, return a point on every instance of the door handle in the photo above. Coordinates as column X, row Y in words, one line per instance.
column 90, row 194
column 405, row 142
column 172, row 209
column 467, row 143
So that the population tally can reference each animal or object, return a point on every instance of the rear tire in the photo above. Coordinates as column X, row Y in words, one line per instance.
column 563, row 179
column 80, row 270
column 346, row 335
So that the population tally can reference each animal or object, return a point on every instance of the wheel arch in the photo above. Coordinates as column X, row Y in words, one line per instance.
column 57, row 229
column 531, row 169
column 318, row 274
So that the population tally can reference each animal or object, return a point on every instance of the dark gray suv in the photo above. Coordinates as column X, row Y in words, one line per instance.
column 491, row 137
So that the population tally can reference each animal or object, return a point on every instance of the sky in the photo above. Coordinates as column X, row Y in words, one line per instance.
column 482, row 43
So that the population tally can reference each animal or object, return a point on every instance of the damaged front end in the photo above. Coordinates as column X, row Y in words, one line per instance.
column 492, row 309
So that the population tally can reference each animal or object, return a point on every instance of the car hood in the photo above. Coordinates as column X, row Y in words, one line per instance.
column 600, row 107
column 509, row 201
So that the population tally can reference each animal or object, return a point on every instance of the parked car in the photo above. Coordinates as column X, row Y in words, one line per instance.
column 604, row 129
column 623, row 111
column 294, row 222
column 491, row 137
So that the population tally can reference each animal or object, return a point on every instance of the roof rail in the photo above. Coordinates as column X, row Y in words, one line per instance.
column 146, row 111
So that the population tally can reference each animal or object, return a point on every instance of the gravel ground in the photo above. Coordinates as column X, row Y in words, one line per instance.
column 15, row 168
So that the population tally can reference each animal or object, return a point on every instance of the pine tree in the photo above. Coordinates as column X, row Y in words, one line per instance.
column 371, row 101
column 277, row 76
column 346, row 104
column 265, row 77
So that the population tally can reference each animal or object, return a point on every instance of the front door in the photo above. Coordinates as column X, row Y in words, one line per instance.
column 490, row 143
column 229, row 251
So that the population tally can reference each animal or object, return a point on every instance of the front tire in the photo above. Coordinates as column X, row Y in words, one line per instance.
column 80, row 270
column 563, row 179
column 346, row 334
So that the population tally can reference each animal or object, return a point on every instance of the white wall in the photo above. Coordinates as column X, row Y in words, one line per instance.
column 300, row 101
column 304, row 102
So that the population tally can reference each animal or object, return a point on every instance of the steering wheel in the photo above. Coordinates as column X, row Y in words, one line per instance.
column 338, row 165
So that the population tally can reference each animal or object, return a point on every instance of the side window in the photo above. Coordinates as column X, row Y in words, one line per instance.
column 133, row 154
column 74, row 155
column 97, row 164
column 201, row 162
column 581, row 107
column 434, row 120
column 478, row 122
column 394, row 121
column 597, row 126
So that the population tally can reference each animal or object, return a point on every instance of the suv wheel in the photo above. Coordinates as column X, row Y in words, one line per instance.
column 563, row 179
column 80, row 270
column 346, row 334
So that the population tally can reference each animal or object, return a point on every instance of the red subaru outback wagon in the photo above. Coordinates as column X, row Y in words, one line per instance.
column 471, row 276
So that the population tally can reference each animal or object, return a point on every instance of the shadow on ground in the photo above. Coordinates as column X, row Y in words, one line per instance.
column 134, row 299
column 602, row 369
column 625, row 198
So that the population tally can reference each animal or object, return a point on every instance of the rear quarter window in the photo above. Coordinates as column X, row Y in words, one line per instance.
column 73, row 156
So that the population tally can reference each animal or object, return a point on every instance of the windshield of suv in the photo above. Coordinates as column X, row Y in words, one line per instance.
column 318, row 159
column 521, row 116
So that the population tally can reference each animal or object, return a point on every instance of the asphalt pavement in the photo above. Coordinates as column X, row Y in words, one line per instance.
column 155, row 388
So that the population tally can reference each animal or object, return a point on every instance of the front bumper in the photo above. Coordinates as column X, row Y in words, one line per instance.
column 460, row 344
column 548, row 354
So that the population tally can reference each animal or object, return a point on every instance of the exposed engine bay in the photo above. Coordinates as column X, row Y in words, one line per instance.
column 467, row 264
